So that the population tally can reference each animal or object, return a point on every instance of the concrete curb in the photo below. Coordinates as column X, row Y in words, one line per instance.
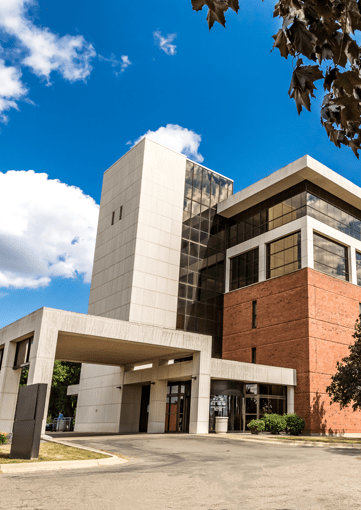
column 31, row 467
column 290, row 442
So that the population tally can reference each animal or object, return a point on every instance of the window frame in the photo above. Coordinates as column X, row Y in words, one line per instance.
column 338, row 244
column 254, row 355
column 254, row 314
column 268, row 254
column 234, row 283
column 17, row 365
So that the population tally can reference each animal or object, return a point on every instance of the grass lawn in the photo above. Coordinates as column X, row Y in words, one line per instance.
column 50, row 452
column 314, row 439
column 322, row 439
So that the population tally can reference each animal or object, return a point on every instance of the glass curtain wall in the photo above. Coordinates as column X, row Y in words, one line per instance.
column 295, row 202
column 330, row 257
column 242, row 402
column 264, row 399
column 244, row 269
column 268, row 215
column 284, row 255
column 201, row 277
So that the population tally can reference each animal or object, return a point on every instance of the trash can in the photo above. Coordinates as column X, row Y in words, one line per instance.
column 61, row 426
column 221, row 424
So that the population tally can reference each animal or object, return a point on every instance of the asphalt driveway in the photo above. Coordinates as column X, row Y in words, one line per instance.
column 196, row 472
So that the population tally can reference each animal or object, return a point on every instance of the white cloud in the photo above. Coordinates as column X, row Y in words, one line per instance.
column 123, row 63
column 39, row 49
column 11, row 89
column 177, row 138
column 45, row 51
column 165, row 43
column 47, row 230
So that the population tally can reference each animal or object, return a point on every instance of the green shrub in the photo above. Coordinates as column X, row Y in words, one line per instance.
column 256, row 426
column 3, row 437
column 267, row 419
column 274, row 423
column 295, row 424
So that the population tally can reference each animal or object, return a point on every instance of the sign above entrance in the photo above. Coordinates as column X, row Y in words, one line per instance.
column 219, row 402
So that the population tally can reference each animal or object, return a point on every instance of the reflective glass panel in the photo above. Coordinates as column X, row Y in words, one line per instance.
column 284, row 255
column 244, row 269
column 330, row 257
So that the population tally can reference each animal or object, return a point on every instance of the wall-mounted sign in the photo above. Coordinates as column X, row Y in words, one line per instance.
column 218, row 402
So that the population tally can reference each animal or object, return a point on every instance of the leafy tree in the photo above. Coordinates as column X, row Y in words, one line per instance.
column 346, row 383
column 323, row 32
column 64, row 374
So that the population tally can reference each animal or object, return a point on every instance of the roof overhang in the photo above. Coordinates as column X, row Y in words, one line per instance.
column 305, row 168
column 109, row 351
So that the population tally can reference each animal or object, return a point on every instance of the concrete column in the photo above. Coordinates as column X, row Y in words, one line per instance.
column 306, row 247
column 42, row 356
column 100, row 399
column 9, row 388
column 262, row 264
column 157, row 403
column 290, row 399
column 352, row 265
column 200, row 395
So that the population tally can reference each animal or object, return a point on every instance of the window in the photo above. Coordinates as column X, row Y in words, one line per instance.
column 1, row 356
column 113, row 217
column 333, row 212
column 254, row 355
column 244, row 270
column 22, row 355
column 359, row 311
column 284, row 255
column 330, row 257
column 358, row 267
column 291, row 204
column 121, row 212
column 264, row 399
column 254, row 314
column 278, row 210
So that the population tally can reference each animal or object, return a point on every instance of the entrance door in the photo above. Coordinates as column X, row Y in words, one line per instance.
column 144, row 409
column 178, row 406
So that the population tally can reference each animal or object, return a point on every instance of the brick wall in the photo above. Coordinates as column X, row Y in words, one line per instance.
column 305, row 321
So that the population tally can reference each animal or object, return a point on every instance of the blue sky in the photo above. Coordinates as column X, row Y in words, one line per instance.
column 76, row 115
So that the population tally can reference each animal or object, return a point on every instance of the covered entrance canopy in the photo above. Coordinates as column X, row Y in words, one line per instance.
column 109, row 351
column 68, row 336
column 110, row 390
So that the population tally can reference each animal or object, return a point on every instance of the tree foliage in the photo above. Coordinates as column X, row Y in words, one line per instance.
column 345, row 387
column 323, row 32
column 64, row 374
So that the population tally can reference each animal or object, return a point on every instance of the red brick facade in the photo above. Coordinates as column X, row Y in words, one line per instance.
column 305, row 321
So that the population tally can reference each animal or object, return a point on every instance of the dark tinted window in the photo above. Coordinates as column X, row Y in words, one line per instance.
column 330, row 257
column 244, row 269
column 284, row 255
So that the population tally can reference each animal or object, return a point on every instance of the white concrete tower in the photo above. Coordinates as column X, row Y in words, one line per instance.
column 137, row 253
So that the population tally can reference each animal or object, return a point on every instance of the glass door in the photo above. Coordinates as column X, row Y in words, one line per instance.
column 177, row 407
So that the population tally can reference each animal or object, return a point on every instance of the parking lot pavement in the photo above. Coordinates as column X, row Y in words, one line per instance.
column 196, row 472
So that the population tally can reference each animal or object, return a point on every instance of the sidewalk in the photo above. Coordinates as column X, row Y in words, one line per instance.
column 335, row 442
